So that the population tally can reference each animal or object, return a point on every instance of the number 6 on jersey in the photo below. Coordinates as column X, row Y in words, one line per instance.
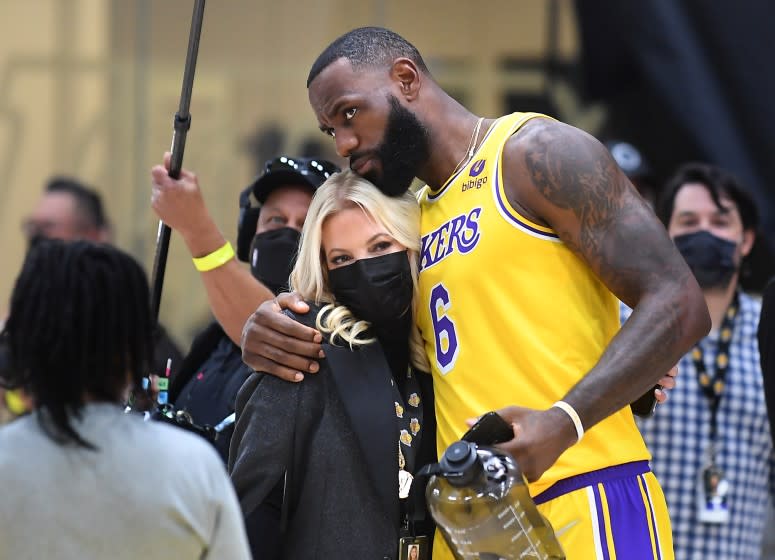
column 443, row 329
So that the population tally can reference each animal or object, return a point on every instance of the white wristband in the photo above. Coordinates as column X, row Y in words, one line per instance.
column 574, row 416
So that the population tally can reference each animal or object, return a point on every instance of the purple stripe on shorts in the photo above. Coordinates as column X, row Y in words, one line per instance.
column 629, row 519
column 651, row 513
column 601, row 523
column 572, row 483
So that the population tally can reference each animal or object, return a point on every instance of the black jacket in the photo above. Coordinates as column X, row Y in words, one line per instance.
column 207, row 383
column 336, row 434
column 767, row 349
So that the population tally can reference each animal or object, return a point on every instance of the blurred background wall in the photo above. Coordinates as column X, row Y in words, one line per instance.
column 89, row 88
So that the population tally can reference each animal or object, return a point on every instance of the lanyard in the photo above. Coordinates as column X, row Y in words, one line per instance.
column 713, row 387
column 409, row 410
column 409, row 417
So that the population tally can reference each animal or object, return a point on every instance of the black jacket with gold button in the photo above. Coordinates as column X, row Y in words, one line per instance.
column 335, row 434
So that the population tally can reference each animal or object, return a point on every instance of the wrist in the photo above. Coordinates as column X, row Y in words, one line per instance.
column 572, row 416
column 203, row 240
column 215, row 259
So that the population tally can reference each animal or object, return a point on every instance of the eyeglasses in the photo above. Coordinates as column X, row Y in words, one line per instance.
column 306, row 166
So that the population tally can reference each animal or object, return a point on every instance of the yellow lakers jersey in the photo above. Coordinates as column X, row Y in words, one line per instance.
column 509, row 314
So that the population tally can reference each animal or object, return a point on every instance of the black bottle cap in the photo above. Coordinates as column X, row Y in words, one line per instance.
column 460, row 464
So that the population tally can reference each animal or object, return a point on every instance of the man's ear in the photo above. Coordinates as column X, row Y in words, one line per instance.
column 407, row 76
column 749, row 236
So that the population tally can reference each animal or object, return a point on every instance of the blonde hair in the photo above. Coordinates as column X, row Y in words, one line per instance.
column 400, row 216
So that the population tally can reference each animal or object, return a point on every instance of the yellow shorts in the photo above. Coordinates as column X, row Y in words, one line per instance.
column 618, row 512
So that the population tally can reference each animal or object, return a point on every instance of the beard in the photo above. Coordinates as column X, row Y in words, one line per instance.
column 404, row 149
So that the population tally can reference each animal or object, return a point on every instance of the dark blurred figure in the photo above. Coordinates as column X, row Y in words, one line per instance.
column 67, row 210
column 82, row 479
column 632, row 161
column 766, row 336
column 711, row 448
column 70, row 210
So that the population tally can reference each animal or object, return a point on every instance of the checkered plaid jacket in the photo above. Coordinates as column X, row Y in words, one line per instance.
column 678, row 437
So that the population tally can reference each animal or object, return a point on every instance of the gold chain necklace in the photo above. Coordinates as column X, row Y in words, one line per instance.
column 471, row 147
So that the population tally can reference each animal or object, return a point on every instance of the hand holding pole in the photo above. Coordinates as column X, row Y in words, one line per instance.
column 181, row 124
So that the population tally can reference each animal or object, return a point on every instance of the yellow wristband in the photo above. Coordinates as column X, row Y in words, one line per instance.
column 15, row 403
column 217, row 258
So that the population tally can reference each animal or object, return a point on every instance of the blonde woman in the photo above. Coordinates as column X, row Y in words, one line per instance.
column 347, row 440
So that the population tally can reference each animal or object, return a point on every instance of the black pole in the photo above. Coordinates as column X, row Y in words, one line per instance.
column 181, row 124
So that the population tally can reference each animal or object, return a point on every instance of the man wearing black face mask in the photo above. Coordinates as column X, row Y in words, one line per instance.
column 274, row 207
column 272, row 212
column 711, row 448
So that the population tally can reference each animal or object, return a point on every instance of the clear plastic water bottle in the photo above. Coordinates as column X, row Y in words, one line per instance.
column 480, row 501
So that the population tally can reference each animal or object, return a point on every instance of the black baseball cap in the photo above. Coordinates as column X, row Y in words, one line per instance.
column 278, row 172
column 286, row 170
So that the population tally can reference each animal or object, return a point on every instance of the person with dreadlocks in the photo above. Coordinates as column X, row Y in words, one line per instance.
column 69, row 209
column 82, row 479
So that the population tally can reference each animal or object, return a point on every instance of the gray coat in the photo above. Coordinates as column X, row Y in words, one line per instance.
column 336, row 434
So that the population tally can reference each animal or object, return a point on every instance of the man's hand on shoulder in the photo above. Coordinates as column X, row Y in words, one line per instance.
column 276, row 344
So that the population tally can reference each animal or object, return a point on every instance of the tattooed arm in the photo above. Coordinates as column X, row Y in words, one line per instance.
column 563, row 178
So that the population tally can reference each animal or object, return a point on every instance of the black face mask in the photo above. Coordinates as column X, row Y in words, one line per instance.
column 34, row 241
column 272, row 256
column 378, row 290
column 711, row 258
